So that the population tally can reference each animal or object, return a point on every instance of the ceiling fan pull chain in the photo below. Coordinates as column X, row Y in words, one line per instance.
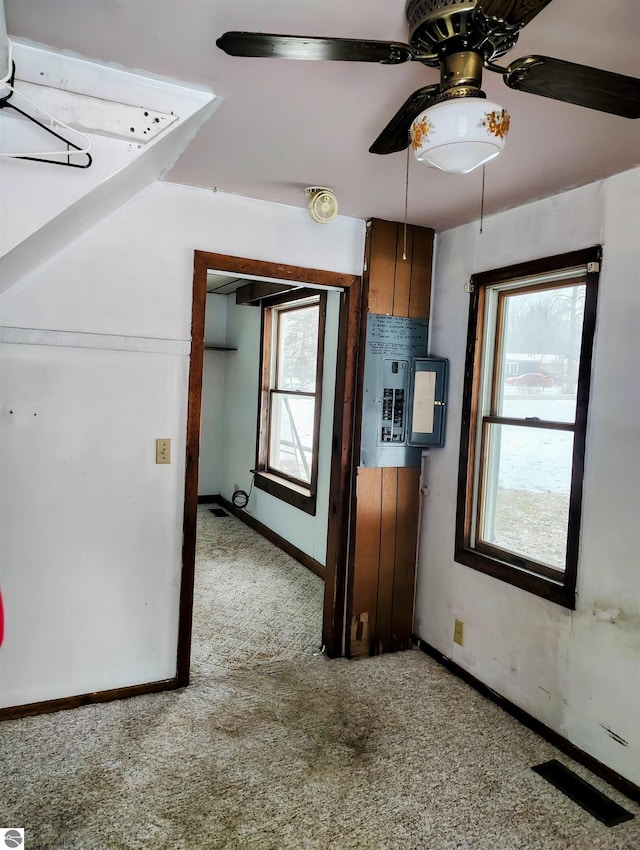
column 406, row 205
column 482, row 201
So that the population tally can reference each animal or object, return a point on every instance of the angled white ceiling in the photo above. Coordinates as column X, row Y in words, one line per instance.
column 138, row 125
column 285, row 125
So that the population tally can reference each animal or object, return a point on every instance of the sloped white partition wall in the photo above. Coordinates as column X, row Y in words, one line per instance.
column 46, row 205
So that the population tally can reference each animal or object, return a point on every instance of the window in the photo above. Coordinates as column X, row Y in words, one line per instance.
column 290, row 398
column 524, row 421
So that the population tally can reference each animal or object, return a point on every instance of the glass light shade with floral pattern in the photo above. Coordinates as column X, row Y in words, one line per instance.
column 460, row 134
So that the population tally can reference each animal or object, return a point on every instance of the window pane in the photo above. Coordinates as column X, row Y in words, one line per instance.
column 298, row 349
column 526, row 492
column 291, row 444
column 540, row 354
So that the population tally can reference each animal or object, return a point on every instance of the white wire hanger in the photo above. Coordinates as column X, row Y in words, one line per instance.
column 52, row 125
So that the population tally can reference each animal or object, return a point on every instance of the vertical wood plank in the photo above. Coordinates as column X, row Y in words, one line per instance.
column 366, row 561
column 420, row 297
column 185, row 620
column 354, row 627
column 405, row 557
column 341, row 465
column 382, row 638
column 402, row 290
column 382, row 266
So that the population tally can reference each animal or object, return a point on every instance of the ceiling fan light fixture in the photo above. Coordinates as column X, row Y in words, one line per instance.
column 459, row 134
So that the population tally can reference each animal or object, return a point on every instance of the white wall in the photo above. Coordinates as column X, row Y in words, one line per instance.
column 576, row 671
column 96, row 344
column 213, row 398
column 90, row 533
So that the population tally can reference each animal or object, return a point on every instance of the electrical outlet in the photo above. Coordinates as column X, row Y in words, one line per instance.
column 458, row 632
column 163, row 450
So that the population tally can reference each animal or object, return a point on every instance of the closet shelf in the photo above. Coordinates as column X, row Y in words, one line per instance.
column 219, row 348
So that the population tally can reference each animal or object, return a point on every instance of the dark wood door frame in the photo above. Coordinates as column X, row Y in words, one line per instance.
column 341, row 445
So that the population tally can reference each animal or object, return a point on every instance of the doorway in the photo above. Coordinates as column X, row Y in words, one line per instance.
column 339, row 508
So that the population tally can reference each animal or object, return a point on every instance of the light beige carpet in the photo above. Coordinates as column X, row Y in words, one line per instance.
column 252, row 603
column 288, row 751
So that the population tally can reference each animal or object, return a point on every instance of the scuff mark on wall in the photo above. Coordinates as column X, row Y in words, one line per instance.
column 612, row 617
column 506, row 667
column 616, row 616
column 606, row 615
column 614, row 735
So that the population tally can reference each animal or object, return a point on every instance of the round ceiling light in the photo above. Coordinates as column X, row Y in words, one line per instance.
column 459, row 134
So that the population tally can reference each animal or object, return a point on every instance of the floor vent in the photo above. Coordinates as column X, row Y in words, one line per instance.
column 218, row 512
column 582, row 793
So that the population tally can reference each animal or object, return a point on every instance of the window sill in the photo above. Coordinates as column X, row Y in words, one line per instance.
column 547, row 588
column 293, row 494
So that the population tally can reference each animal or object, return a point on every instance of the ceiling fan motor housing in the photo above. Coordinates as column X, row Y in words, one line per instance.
column 439, row 27
column 323, row 204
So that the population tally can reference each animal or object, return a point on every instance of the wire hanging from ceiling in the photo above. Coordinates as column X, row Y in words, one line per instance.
column 482, row 201
column 406, row 207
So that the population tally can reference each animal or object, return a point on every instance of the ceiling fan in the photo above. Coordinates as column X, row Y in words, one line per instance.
column 450, row 124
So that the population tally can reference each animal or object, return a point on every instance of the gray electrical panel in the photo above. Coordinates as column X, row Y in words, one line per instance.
column 392, row 342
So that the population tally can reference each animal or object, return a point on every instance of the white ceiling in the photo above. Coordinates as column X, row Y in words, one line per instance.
column 285, row 125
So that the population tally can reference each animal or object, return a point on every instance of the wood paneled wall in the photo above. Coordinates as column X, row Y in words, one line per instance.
column 383, row 551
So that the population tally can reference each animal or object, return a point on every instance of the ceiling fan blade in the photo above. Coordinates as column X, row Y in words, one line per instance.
column 579, row 84
column 513, row 12
column 266, row 45
column 395, row 136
